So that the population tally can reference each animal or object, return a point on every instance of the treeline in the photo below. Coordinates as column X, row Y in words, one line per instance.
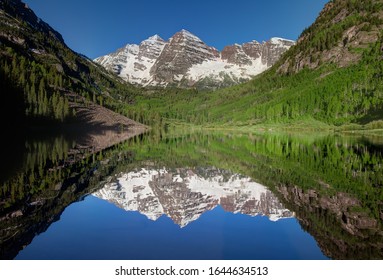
column 42, row 88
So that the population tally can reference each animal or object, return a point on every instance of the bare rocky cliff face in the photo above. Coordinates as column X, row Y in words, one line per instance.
column 15, row 8
column 186, row 61
column 182, row 52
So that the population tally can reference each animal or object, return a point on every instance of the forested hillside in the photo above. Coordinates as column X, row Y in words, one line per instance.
column 40, row 76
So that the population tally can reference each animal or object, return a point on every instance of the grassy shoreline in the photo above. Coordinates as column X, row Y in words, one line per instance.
column 373, row 129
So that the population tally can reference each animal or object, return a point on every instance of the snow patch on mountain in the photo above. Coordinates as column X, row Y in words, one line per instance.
column 218, row 69
column 279, row 41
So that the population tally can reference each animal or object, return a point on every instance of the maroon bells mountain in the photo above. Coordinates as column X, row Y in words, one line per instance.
column 186, row 61
column 184, row 194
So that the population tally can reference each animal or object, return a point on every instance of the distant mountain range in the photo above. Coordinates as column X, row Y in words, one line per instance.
column 186, row 61
column 184, row 194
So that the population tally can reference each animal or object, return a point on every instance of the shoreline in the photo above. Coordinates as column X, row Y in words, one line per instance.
column 94, row 128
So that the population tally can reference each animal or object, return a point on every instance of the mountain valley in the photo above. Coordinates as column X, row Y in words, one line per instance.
column 172, row 148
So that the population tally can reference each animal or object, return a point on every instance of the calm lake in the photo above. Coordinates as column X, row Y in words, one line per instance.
column 194, row 196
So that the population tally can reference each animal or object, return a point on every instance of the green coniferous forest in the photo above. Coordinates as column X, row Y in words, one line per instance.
column 40, row 76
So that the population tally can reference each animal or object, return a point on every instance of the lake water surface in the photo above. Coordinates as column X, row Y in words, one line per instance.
column 196, row 196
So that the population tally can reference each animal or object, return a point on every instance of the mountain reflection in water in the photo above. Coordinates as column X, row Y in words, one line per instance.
column 184, row 194
column 189, row 183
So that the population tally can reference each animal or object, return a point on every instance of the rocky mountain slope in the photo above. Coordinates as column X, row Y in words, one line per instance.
column 185, row 194
column 340, row 34
column 185, row 60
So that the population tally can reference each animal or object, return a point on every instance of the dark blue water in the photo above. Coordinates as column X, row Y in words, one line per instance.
column 96, row 229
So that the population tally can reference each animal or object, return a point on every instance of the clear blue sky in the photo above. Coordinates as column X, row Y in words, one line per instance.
column 95, row 28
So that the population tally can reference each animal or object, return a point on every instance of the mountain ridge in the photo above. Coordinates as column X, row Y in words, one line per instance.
column 186, row 61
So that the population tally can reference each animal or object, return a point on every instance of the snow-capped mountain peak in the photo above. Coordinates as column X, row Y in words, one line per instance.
column 188, row 35
column 154, row 38
column 186, row 61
